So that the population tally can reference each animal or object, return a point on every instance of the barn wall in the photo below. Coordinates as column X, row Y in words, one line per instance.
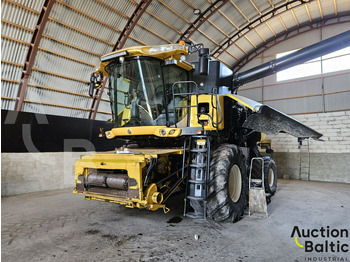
column 321, row 102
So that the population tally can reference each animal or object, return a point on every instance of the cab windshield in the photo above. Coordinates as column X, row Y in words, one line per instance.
column 141, row 92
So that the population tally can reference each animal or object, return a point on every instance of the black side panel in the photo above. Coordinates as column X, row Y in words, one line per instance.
column 29, row 132
column 271, row 122
column 217, row 73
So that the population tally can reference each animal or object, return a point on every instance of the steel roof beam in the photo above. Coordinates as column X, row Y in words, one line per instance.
column 234, row 25
column 200, row 31
column 134, row 18
column 124, row 35
column 213, row 24
column 125, row 16
column 267, row 23
column 308, row 13
column 32, row 51
column 204, row 16
column 320, row 8
column 335, row 7
column 156, row 17
column 247, row 19
column 279, row 17
column 270, row 14
column 295, row 18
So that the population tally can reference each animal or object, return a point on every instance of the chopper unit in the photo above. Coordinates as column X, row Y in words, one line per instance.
column 185, row 129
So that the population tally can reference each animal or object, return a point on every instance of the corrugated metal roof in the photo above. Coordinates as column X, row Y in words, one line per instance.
column 80, row 31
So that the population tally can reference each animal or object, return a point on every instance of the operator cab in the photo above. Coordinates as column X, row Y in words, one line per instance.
column 156, row 86
column 141, row 91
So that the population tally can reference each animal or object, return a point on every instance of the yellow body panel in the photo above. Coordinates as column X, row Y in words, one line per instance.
column 251, row 104
column 160, row 131
column 126, row 115
column 213, row 111
column 134, row 162
column 156, row 151
column 162, row 52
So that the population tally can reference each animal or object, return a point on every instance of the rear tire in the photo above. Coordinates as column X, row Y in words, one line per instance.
column 270, row 174
column 228, row 184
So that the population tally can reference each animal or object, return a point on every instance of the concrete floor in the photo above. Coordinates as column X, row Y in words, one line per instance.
column 60, row 226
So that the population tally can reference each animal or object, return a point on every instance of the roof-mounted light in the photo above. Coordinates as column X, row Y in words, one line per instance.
column 171, row 62
column 164, row 48
column 113, row 56
column 197, row 11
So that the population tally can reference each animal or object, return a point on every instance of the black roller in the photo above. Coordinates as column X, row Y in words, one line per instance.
column 116, row 181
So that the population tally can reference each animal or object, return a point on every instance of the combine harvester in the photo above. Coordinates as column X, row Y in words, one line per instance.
column 186, row 129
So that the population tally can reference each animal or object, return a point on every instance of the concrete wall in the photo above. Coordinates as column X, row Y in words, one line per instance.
column 316, row 160
column 315, row 167
column 31, row 172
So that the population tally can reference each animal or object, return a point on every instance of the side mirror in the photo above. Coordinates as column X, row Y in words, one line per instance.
column 204, row 61
column 95, row 83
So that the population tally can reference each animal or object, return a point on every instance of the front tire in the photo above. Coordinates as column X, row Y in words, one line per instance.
column 228, row 184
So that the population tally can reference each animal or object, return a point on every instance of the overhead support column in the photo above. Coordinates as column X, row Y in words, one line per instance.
column 32, row 51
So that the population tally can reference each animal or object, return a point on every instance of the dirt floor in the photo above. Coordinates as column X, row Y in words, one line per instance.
column 60, row 226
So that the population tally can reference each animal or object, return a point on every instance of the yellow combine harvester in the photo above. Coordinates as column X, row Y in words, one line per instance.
column 186, row 129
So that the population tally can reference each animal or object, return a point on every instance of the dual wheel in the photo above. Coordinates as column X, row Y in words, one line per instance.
column 270, row 174
column 228, row 182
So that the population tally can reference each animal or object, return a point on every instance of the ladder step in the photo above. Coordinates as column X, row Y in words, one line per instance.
column 199, row 136
column 204, row 165
column 193, row 215
column 196, row 187
column 196, row 181
column 199, row 150
column 196, row 198
column 257, row 188
column 256, row 180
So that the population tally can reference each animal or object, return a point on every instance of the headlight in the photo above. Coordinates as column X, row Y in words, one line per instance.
column 182, row 58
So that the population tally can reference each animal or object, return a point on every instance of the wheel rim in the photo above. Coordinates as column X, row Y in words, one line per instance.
column 271, row 177
column 235, row 183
